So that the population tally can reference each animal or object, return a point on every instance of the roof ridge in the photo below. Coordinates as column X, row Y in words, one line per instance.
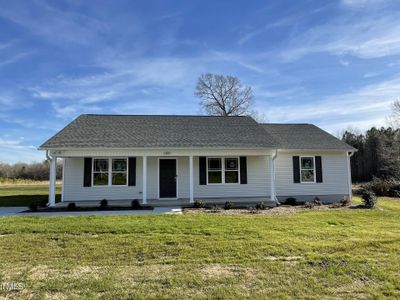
column 154, row 115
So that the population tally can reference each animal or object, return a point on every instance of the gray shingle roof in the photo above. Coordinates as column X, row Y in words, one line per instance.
column 304, row 136
column 124, row 131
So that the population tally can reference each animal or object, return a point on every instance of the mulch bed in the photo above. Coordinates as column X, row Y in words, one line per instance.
column 282, row 210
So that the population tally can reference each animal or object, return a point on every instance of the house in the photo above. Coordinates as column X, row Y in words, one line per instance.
column 176, row 159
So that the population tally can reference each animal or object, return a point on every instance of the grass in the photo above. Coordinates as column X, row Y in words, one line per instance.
column 24, row 193
column 337, row 254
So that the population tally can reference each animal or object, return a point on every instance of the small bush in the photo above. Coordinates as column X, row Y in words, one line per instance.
column 33, row 206
column 103, row 203
column 199, row 203
column 228, row 205
column 215, row 208
column 71, row 206
column 253, row 210
column 369, row 199
column 260, row 206
column 309, row 205
column 317, row 201
column 345, row 201
column 135, row 204
column 291, row 201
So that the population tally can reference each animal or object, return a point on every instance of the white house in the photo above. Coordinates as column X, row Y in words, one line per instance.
column 157, row 159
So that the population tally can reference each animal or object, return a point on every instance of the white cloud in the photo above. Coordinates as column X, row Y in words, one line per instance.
column 362, row 3
column 364, row 36
column 364, row 108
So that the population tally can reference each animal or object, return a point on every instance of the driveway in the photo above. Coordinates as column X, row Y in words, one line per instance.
column 18, row 211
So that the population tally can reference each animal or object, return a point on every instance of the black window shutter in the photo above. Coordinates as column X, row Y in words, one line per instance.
column 296, row 169
column 202, row 170
column 318, row 168
column 132, row 171
column 87, row 172
column 243, row 170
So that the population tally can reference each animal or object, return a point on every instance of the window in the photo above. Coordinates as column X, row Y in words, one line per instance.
column 119, row 171
column 108, row 172
column 214, row 170
column 307, row 169
column 223, row 170
column 100, row 171
column 231, row 170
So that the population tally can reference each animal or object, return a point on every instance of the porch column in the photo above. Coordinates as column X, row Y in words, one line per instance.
column 52, row 182
column 191, row 193
column 144, row 192
column 271, row 164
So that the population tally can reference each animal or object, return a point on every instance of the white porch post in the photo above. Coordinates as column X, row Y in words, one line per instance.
column 271, row 164
column 52, row 184
column 191, row 192
column 144, row 192
column 349, row 155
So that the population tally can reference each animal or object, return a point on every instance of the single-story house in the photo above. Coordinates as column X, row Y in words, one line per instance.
column 161, row 160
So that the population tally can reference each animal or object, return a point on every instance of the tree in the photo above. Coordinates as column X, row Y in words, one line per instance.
column 224, row 95
column 394, row 118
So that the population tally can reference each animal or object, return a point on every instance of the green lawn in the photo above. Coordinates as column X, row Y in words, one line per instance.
column 25, row 194
column 317, row 254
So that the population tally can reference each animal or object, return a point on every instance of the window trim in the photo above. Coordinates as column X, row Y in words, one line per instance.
column 110, row 172
column 222, row 158
column 314, row 169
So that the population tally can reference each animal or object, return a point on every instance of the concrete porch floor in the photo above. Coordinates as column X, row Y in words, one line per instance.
column 239, row 201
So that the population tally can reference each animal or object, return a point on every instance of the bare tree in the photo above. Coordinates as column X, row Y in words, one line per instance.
column 394, row 118
column 224, row 95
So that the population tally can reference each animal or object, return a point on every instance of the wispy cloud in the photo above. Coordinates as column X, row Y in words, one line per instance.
column 366, row 106
column 55, row 25
column 364, row 36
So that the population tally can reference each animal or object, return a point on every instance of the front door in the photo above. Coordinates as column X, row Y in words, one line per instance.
column 167, row 178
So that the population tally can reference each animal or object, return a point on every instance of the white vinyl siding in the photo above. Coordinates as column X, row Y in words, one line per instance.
column 334, row 175
column 257, row 178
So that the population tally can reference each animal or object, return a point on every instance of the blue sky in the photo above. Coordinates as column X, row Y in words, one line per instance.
column 332, row 63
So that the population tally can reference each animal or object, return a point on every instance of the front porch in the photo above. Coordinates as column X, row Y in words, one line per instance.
column 238, row 201
column 165, row 178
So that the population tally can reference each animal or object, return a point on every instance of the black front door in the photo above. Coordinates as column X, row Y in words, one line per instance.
column 167, row 178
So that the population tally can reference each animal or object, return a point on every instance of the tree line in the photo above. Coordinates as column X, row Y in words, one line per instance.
column 33, row 171
column 378, row 153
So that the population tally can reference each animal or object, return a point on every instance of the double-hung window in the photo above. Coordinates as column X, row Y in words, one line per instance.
column 231, row 170
column 100, row 171
column 110, row 171
column 119, row 171
column 222, row 170
column 214, row 170
column 307, row 169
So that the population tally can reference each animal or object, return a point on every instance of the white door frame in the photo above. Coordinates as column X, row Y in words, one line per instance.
column 158, row 178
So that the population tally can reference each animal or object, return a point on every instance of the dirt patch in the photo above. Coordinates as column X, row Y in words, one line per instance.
column 283, row 258
column 283, row 210
column 218, row 271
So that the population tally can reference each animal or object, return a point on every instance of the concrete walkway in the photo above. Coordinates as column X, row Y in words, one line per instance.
column 18, row 211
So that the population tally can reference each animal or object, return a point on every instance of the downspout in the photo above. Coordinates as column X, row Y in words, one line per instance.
column 273, row 172
column 48, row 155
column 349, row 155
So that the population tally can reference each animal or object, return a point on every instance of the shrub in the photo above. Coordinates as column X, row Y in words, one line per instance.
column 215, row 208
column 199, row 203
column 103, row 203
column 228, row 205
column 317, row 201
column 291, row 201
column 260, row 206
column 33, row 206
column 135, row 204
column 369, row 199
column 309, row 205
column 383, row 187
column 345, row 201
column 71, row 206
